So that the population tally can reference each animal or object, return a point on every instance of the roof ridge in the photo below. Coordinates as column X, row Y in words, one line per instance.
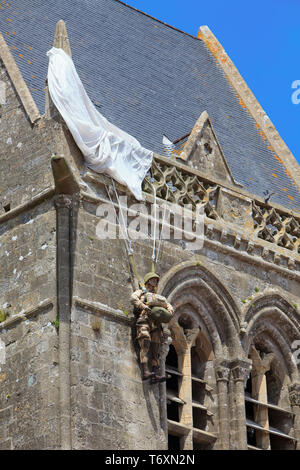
column 265, row 128
column 18, row 82
column 159, row 21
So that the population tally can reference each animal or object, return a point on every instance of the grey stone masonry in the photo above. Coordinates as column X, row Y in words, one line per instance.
column 70, row 376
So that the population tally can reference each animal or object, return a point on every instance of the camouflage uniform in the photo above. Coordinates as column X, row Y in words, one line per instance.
column 149, row 335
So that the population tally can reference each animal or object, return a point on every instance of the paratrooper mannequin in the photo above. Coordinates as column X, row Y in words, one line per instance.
column 153, row 310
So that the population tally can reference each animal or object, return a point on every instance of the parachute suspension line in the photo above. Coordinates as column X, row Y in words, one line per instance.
column 155, row 258
column 131, row 260
column 162, row 224
column 124, row 237
column 125, row 233
column 130, row 249
column 154, row 231
column 123, row 229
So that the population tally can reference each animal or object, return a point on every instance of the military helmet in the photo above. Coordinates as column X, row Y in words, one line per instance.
column 150, row 276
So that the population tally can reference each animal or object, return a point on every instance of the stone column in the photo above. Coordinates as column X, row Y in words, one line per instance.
column 162, row 390
column 261, row 415
column 185, row 391
column 63, row 205
column 261, row 364
column 240, row 373
column 222, row 369
column 294, row 392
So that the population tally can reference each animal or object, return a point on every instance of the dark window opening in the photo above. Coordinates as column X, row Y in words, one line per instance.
column 249, row 411
column 198, row 392
column 251, row 437
column 248, row 388
column 201, row 446
column 172, row 359
column 172, row 363
column 280, row 420
column 274, row 388
column 279, row 443
column 172, row 384
column 6, row 208
column 173, row 410
column 198, row 366
column 173, row 442
column 199, row 419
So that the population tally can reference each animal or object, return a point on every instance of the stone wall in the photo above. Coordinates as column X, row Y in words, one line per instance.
column 111, row 408
column 71, row 378
column 25, row 168
column 29, row 378
column 29, row 389
column 107, row 395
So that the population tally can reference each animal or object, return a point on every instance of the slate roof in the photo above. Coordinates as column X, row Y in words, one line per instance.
column 145, row 77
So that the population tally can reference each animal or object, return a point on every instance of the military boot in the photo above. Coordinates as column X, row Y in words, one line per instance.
column 157, row 378
column 146, row 374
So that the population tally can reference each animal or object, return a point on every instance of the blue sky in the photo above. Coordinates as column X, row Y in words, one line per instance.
column 262, row 38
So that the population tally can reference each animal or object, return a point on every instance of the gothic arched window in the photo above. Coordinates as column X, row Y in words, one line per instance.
column 190, row 391
column 269, row 418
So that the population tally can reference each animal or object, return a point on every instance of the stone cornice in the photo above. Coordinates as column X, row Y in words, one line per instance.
column 255, row 260
column 34, row 201
column 228, row 240
column 22, row 316
column 104, row 310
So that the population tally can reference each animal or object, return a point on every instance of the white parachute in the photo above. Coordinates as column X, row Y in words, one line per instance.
column 105, row 147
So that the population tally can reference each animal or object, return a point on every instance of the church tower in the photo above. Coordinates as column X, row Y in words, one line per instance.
column 70, row 375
